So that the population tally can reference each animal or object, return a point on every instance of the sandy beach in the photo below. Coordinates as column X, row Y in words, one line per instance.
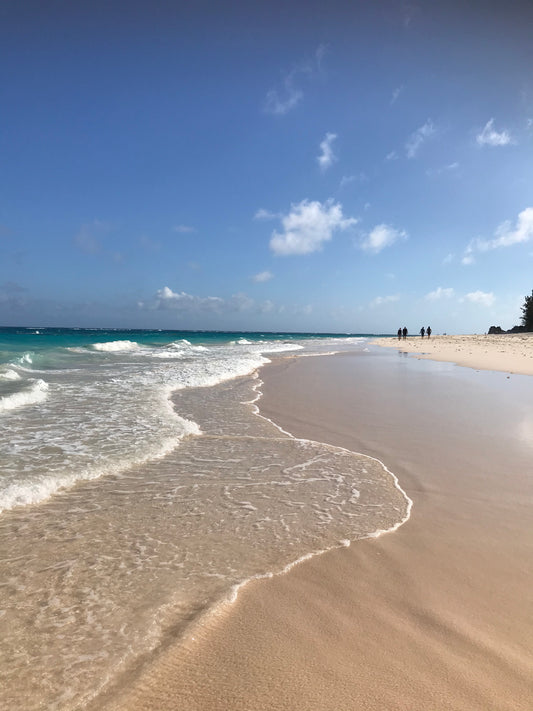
column 437, row 615
column 510, row 352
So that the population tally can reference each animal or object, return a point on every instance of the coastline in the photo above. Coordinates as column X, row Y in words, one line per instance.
column 389, row 622
column 511, row 353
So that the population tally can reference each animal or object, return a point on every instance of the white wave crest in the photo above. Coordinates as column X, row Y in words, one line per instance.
column 33, row 395
column 112, row 346
column 9, row 375
column 40, row 488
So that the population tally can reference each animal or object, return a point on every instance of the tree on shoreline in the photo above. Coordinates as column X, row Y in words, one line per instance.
column 527, row 313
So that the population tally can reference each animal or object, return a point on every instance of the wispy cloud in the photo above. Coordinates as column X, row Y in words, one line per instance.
column 380, row 237
column 88, row 238
column 418, row 138
column 262, row 214
column 506, row 235
column 440, row 293
column 149, row 244
column 443, row 169
column 483, row 298
column 393, row 155
column 347, row 179
column 262, row 276
column 490, row 137
column 396, row 93
column 285, row 97
column 183, row 229
column 189, row 304
column 380, row 300
column 327, row 157
column 308, row 226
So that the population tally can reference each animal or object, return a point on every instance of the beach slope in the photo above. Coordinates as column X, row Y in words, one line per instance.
column 437, row 615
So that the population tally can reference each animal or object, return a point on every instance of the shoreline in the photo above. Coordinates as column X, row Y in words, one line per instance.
column 259, row 651
column 510, row 353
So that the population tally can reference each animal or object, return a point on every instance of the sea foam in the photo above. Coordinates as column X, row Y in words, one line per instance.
column 36, row 393
column 113, row 346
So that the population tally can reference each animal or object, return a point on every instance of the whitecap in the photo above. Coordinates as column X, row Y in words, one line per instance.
column 33, row 395
column 112, row 346
column 9, row 375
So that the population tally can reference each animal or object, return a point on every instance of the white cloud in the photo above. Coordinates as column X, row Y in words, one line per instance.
column 262, row 276
column 166, row 299
column 327, row 157
column 347, row 179
column 87, row 238
column 448, row 259
column 382, row 236
column 440, row 293
column 481, row 297
column 379, row 300
column 420, row 136
column 444, row 169
column 187, row 304
column 396, row 93
column 308, row 226
column 280, row 102
column 262, row 214
column 183, row 229
column 468, row 259
column 391, row 156
column 285, row 98
column 507, row 235
column 490, row 137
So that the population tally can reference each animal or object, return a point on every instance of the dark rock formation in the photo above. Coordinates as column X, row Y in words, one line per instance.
column 514, row 329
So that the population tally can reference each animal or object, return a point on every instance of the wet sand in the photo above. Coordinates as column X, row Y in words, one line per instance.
column 437, row 615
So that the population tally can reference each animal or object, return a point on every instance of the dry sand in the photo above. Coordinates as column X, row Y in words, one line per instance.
column 436, row 616
column 510, row 352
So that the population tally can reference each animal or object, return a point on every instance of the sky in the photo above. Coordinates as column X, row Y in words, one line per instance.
column 266, row 166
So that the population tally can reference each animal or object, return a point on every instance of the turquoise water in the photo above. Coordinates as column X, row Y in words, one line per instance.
column 140, row 488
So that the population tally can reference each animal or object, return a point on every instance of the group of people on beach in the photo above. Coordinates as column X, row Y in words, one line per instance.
column 402, row 332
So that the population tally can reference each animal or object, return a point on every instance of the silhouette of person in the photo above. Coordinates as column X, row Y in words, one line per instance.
column 404, row 332
column 399, row 333
column 422, row 331
column 428, row 331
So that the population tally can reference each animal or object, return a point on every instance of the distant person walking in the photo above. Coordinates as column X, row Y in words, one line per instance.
column 428, row 331
column 423, row 331
column 404, row 332
column 399, row 333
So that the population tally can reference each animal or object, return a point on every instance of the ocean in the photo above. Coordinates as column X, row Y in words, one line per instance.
column 140, row 487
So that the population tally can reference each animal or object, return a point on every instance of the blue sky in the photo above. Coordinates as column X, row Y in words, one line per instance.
column 341, row 166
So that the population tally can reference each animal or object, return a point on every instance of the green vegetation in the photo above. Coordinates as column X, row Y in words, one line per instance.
column 527, row 313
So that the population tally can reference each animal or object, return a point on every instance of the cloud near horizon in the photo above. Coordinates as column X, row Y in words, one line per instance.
column 440, row 293
column 483, row 298
column 184, row 303
column 308, row 226
column 380, row 300
column 380, row 237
